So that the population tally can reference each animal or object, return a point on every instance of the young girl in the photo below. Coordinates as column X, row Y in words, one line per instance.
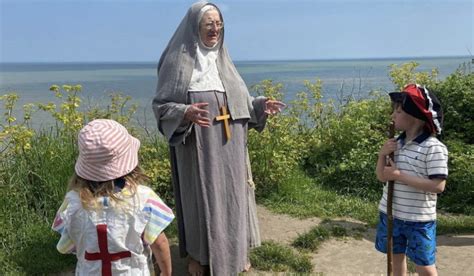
column 108, row 218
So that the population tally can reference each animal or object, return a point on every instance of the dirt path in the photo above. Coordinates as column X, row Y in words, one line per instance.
column 358, row 257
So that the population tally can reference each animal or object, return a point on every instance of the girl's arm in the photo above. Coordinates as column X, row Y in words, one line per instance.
column 161, row 251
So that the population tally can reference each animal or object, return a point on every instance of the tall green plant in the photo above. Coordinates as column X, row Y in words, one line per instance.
column 281, row 147
column 406, row 73
column 15, row 136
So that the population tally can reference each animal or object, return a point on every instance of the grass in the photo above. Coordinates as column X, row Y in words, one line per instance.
column 303, row 197
column 328, row 229
column 29, row 248
column 454, row 224
column 312, row 239
column 272, row 256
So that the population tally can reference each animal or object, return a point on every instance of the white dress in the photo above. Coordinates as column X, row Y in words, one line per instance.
column 114, row 238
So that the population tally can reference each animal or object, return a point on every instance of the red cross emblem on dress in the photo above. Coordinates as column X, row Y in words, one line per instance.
column 103, row 254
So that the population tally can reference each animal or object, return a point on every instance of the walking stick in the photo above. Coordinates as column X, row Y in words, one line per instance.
column 391, row 134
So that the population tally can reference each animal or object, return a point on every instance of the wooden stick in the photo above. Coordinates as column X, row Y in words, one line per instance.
column 389, row 211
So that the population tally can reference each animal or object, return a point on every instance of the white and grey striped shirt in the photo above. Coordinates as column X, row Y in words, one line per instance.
column 424, row 157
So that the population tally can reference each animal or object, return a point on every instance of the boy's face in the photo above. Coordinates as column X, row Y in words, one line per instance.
column 404, row 121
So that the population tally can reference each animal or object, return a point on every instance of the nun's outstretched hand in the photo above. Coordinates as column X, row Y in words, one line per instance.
column 198, row 114
column 273, row 107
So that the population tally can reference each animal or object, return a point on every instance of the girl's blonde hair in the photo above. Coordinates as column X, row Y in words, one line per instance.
column 90, row 190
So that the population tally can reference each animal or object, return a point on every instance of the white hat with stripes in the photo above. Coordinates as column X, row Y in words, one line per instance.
column 106, row 151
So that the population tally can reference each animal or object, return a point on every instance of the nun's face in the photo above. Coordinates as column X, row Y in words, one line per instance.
column 210, row 28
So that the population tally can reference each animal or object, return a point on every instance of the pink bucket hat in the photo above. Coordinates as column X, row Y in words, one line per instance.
column 106, row 151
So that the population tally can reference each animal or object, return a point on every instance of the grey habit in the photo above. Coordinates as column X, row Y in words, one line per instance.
column 214, row 203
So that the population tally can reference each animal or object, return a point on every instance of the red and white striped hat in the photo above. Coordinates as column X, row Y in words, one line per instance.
column 106, row 151
column 421, row 103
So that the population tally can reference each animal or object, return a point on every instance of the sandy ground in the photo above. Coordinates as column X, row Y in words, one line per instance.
column 359, row 257
column 348, row 256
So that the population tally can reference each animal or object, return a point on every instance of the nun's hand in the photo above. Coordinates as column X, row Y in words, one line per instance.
column 197, row 114
column 273, row 107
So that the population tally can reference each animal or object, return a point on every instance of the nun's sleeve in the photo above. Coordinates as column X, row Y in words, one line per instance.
column 258, row 117
column 171, row 122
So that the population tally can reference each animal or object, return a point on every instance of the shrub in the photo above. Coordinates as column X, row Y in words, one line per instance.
column 458, row 196
column 456, row 94
column 344, row 155
column 406, row 73
column 278, row 150
column 154, row 159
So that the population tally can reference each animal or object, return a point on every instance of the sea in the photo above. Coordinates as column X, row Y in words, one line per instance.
column 340, row 78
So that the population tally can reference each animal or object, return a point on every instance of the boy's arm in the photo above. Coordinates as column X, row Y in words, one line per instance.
column 161, row 251
column 380, row 167
column 388, row 147
column 437, row 169
column 435, row 185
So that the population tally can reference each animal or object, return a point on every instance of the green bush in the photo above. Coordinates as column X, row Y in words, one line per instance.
column 403, row 74
column 279, row 150
column 458, row 196
column 456, row 94
column 344, row 156
column 154, row 160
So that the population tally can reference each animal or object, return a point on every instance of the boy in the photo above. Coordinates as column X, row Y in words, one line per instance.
column 419, row 172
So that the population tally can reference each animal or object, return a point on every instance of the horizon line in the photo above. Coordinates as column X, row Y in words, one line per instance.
column 251, row 60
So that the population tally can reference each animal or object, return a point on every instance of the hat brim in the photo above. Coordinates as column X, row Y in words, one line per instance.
column 396, row 96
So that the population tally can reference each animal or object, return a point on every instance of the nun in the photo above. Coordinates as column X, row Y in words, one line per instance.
column 204, row 110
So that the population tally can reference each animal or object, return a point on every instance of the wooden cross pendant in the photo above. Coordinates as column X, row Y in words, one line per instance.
column 225, row 117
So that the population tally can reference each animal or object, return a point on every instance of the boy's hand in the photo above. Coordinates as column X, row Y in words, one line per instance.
column 389, row 147
column 391, row 172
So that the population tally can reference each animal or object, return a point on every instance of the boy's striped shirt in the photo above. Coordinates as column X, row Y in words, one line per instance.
column 424, row 157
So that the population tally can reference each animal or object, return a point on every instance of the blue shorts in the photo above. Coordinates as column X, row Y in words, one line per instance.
column 417, row 240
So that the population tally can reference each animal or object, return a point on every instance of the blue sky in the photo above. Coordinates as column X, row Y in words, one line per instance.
column 138, row 30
